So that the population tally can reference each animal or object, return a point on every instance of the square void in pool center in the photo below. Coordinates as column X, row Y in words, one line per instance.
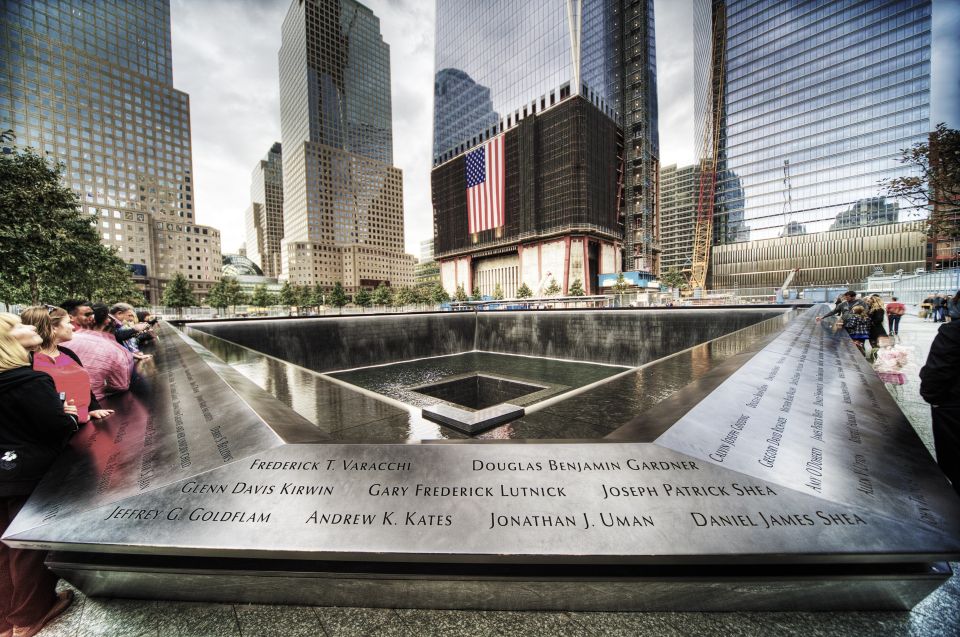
column 478, row 391
column 477, row 380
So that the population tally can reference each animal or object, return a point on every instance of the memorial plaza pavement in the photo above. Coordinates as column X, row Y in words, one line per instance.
column 938, row 614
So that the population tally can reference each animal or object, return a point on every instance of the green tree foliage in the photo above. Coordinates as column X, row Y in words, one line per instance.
column 363, row 298
column 177, row 294
column 461, row 294
column 934, row 182
column 674, row 278
column 337, row 297
column 498, row 293
column 576, row 288
column 405, row 296
column 438, row 295
column 553, row 289
column 226, row 293
column 261, row 297
column 621, row 285
column 475, row 295
column 289, row 295
column 49, row 249
column 524, row 292
column 216, row 297
column 383, row 295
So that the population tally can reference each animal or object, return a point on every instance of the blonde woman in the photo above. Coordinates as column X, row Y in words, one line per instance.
column 34, row 428
column 62, row 364
column 875, row 312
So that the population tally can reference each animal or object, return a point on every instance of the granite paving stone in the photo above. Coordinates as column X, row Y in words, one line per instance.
column 185, row 619
column 343, row 622
column 626, row 624
column 523, row 624
column 120, row 618
column 448, row 623
column 260, row 620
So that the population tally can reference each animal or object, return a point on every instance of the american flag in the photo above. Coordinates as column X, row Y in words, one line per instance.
column 485, row 186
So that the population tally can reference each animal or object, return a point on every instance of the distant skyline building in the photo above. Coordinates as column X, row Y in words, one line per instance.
column 264, row 218
column 547, row 114
column 678, row 214
column 807, row 106
column 91, row 84
column 342, row 197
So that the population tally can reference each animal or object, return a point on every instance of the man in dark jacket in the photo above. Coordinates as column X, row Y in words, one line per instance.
column 940, row 386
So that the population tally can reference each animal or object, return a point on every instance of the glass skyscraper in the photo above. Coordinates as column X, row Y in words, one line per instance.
column 91, row 83
column 531, row 71
column 342, row 198
column 807, row 105
column 264, row 217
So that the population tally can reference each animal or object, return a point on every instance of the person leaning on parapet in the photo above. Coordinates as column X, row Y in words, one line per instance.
column 895, row 310
column 34, row 428
column 940, row 305
column 109, row 363
column 126, row 328
column 62, row 364
column 953, row 307
column 844, row 306
column 940, row 386
column 81, row 314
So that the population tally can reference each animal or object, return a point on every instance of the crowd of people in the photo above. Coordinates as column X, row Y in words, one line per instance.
column 940, row 308
column 56, row 365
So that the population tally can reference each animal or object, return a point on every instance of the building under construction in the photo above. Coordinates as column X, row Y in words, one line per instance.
column 545, row 143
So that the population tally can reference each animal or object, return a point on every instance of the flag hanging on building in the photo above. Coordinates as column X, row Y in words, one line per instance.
column 485, row 186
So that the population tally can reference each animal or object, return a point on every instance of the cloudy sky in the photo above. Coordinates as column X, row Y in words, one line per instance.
column 225, row 57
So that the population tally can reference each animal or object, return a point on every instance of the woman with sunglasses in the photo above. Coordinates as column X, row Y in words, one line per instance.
column 72, row 380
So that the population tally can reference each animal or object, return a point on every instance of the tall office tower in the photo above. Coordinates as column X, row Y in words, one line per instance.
column 264, row 217
column 805, row 106
column 545, row 142
column 342, row 198
column 678, row 214
column 91, row 84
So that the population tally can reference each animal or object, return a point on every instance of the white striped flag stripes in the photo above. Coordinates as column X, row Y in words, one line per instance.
column 485, row 186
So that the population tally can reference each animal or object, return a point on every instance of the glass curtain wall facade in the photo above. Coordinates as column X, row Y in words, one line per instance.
column 343, row 200
column 500, row 64
column 815, row 101
column 678, row 213
column 264, row 218
column 91, row 84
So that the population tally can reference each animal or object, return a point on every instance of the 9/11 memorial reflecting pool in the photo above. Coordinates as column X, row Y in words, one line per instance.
column 721, row 459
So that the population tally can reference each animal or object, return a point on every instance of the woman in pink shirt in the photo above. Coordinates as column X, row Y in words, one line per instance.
column 61, row 364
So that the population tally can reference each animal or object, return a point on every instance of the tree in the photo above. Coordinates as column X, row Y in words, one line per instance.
column 438, row 295
column 363, row 298
column 383, row 295
column 337, row 297
column 497, row 293
column 475, row 295
column 261, row 297
column 49, row 249
column 289, row 295
column 405, row 296
column 621, row 285
column 674, row 278
column 233, row 294
column 216, row 296
column 461, row 294
column 553, row 289
column 576, row 288
column 177, row 294
column 935, row 182
column 523, row 292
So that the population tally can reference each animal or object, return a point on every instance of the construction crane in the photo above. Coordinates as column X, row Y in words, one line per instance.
column 709, row 154
column 784, row 292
